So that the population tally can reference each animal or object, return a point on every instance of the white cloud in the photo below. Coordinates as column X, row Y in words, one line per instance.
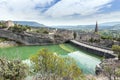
column 109, row 6
column 106, row 17
column 21, row 9
column 82, row 7
column 60, row 12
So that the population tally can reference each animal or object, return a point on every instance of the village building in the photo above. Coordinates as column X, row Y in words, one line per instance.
column 9, row 23
column 89, row 36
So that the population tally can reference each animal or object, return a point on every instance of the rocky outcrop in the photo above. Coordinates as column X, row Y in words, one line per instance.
column 112, row 64
column 5, row 44
column 26, row 38
column 63, row 36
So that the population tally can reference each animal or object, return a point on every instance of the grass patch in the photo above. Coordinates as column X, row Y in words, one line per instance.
column 64, row 47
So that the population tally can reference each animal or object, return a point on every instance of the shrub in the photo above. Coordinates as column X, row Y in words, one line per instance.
column 45, row 32
column 12, row 70
column 52, row 65
column 116, row 50
column 19, row 28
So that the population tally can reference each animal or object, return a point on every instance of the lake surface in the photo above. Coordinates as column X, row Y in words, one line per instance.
column 86, row 61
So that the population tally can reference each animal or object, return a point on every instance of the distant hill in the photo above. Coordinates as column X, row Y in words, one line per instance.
column 109, row 23
column 103, row 26
column 78, row 27
column 29, row 23
column 115, row 27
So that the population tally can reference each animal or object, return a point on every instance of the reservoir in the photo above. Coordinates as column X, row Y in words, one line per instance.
column 85, row 60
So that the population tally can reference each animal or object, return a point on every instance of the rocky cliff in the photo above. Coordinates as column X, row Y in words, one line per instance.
column 26, row 38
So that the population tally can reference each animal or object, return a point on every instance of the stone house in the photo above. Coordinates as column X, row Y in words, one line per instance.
column 9, row 23
column 52, row 31
column 87, row 36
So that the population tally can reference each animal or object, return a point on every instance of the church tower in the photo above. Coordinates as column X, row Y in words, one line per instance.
column 96, row 27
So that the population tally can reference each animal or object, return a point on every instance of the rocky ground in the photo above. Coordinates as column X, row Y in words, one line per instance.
column 94, row 77
column 5, row 44
column 109, row 68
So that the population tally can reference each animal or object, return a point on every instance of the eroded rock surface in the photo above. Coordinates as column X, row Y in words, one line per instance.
column 26, row 38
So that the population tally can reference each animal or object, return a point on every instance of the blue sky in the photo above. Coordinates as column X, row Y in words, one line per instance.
column 61, row 12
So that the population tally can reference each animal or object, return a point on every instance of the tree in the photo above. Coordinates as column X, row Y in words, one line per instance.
column 54, row 67
column 91, row 40
column 42, row 30
column 19, row 28
column 116, row 50
column 45, row 32
column 2, row 25
column 75, row 35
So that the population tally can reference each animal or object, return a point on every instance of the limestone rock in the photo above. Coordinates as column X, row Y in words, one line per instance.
column 26, row 38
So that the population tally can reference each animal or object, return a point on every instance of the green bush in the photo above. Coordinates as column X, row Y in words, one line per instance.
column 2, row 39
column 116, row 50
column 2, row 26
column 19, row 28
column 106, row 37
column 12, row 70
column 52, row 64
column 45, row 31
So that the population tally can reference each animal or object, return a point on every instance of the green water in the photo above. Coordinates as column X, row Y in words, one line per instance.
column 24, row 52
column 86, row 61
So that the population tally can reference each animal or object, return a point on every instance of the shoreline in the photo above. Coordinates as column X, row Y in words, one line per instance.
column 6, row 44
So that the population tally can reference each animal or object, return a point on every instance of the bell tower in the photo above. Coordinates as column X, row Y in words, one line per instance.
column 96, row 27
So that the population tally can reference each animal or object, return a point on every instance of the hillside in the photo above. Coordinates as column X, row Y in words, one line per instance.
column 102, row 26
column 29, row 23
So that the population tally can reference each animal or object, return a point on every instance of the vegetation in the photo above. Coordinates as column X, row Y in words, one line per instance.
column 66, row 48
column 2, row 25
column 116, row 50
column 54, row 67
column 75, row 35
column 110, row 34
column 107, row 37
column 2, row 39
column 112, row 70
column 117, row 73
column 92, row 40
column 19, row 28
column 12, row 70
column 42, row 30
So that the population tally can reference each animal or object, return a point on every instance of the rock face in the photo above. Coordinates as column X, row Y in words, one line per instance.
column 112, row 64
column 26, row 38
column 63, row 36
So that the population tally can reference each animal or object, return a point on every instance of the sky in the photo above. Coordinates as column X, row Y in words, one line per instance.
column 61, row 12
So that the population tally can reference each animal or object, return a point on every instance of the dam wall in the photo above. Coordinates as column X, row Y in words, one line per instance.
column 97, row 51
